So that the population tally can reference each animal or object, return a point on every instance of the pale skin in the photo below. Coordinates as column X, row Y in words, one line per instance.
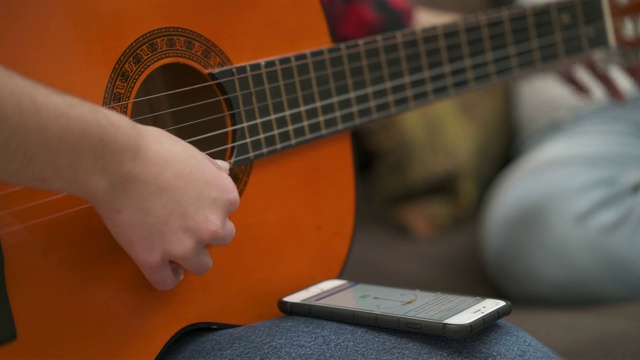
column 162, row 199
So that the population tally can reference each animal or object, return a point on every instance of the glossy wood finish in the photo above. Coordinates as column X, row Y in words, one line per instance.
column 73, row 291
column 625, row 21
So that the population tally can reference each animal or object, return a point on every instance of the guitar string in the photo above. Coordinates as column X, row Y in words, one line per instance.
column 546, row 43
column 54, row 197
column 458, row 65
column 329, row 72
column 490, row 18
column 432, row 73
column 442, row 84
column 36, row 202
column 10, row 190
column 523, row 24
column 346, row 95
column 309, row 60
column 43, row 218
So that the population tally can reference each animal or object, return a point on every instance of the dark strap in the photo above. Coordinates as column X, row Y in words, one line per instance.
column 7, row 326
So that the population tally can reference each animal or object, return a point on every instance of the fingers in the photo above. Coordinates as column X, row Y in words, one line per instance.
column 611, row 88
column 572, row 80
column 198, row 260
column 633, row 71
column 226, row 235
column 197, row 263
column 601, row 75
column 168, row 274
column 163, row 276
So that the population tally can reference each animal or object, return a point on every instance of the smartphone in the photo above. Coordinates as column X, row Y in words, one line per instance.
column 454, row 316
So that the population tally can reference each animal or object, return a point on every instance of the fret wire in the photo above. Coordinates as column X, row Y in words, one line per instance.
column 367, row 72
column 255, row 108
column 442, row 84
column 266, row 150
column 525, row 34
column 385, row 72
column 250, row 155
column 398, row 81
column 484, row 31
column 360, row 74
column 597, row 12
column 332, row 87
column 423, row 60
column 373, row 89
column 474, row 46
column 347, row 71
column 565, row 21
column 294, row 66
column 405, row 67
column 557, row 30
column 394, row 66
column 445, row 58
column 581, row 23
column 369, row 92
column 490, row 14
column 309, row 96
column 506, row 21
column 441, row 94
column 270, row 102
column 486, row 40
column 284, row 101
column 243, row 115
column 533, row 34
column 316, row 96
column 465, row 53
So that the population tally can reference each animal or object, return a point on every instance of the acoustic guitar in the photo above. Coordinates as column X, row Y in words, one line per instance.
column 190, row 67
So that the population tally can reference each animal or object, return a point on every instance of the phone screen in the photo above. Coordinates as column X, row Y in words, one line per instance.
column 403, row 302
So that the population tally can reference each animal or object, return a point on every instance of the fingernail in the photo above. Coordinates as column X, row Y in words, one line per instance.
column 223, row 164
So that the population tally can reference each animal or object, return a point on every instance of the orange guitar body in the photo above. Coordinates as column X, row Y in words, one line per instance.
column 73, row 291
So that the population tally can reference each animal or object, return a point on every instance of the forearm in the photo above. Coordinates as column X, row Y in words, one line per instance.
column 53, row 141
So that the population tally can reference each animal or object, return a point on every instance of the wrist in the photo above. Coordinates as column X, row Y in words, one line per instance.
column 110, row 161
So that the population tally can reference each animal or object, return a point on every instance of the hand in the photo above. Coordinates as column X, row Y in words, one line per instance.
column 426, row 17
column 600, row 74
column 166, row 205
column 162, row 199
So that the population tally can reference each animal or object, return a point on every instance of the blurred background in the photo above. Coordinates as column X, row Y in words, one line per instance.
column 422, row 177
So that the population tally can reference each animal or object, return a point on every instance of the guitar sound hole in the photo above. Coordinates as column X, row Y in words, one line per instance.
column 195, row 115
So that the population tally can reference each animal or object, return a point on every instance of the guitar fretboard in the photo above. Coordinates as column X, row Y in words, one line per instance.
column 287, row 101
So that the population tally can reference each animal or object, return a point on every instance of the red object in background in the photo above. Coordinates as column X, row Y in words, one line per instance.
column 354, row 19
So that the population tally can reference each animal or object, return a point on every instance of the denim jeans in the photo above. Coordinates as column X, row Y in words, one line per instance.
column 293, row 337
column 562, row 223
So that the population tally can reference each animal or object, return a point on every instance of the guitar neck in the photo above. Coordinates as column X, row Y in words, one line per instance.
column 287, row 101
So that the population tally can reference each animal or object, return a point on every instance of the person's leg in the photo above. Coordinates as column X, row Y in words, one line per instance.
column 562, row 224
column 293, row 337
